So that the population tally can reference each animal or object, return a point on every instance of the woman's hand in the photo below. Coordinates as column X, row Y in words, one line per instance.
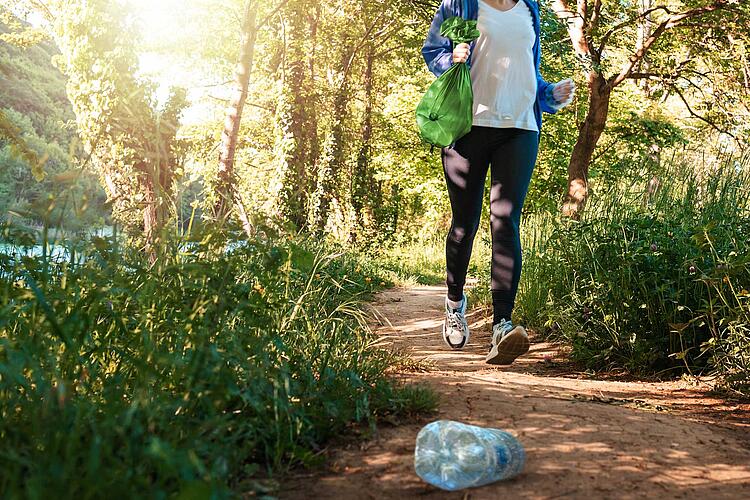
column 461, row 53
column 563, row 91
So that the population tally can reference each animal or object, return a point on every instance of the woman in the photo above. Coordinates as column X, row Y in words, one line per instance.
column 509, row 97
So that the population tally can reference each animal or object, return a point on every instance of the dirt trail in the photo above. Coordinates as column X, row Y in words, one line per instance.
column 584, row 438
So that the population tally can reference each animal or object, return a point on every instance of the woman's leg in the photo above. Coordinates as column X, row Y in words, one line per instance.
column 465, row 167
column 512, row 165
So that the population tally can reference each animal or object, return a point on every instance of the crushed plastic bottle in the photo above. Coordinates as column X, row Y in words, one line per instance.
column 454, row 456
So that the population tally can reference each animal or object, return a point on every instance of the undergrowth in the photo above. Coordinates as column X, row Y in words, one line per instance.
column 656, row 285
column 215, row 366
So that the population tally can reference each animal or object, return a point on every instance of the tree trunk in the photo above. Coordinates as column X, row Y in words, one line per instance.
column 588, row 136
column 395, row 206
column 333, row 154
column 591, row 129
column 311, row 99
column 226, row 189
column 292, row 116
column 362, row 180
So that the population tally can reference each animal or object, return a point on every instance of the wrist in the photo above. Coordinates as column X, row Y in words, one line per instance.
column 553, row 100
column 549, row 94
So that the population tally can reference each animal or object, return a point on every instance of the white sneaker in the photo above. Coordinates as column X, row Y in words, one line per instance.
column 508, row 342
column 455, row 327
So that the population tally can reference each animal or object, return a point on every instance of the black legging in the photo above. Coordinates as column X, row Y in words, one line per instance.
column 512, row 153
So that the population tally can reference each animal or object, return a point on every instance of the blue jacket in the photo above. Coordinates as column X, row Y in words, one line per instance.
column 438, row 50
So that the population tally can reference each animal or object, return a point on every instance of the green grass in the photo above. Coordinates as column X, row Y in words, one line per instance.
column 196, row 376
column 653, row 287
column 412, row 263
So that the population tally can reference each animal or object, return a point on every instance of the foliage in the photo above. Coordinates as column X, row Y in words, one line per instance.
column 130, row 138
column 304, row 134
column 18, row 148
column 35, row 141
column 411, row 261
column 649, row 282
column 200, row 373
column 15, row 32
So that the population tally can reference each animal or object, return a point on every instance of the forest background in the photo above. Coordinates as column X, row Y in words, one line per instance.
column 150, row 138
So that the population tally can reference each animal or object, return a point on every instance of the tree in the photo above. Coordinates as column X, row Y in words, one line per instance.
column 132, row 142
column 226, row 184
column 19, row 148
column 390, row 23
column 362, row 181
column 19, row 34
column 295, row 151
column 333, row 159
column 40, row 183
column 612, row 40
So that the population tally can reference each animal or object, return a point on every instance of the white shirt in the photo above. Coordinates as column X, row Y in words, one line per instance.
column 503, row 74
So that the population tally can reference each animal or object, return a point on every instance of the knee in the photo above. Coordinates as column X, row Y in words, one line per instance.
column 505, row 228
column 462, row 233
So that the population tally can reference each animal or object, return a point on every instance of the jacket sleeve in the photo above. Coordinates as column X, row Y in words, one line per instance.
column 544, row 95
column 550, row 102
column 437, row 50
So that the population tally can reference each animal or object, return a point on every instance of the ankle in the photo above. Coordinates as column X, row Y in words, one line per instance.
column 455, row 293
column 455, row 304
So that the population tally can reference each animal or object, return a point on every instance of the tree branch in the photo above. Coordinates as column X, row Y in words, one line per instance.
column 614, row 29
column 42, row 6
column 272, row 13
column 670, row 22
column 594, row 22
column 696, row 115
column 576, row 22
column 362, row 42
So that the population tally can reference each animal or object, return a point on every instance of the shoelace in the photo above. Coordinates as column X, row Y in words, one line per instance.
column 506, row 326
column 454, row 320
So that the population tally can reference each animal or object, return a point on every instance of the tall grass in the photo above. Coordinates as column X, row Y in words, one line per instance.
column 657, row 284
column 416, row 262
column 194, row 376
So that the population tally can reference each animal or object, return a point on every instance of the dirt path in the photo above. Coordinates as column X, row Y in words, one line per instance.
column 584, row 438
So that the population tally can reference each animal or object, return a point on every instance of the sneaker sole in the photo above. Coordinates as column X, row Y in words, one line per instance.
column 513, row 345
column 455, row 346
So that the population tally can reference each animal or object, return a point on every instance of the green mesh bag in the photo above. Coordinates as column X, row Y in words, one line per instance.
column 445, row 113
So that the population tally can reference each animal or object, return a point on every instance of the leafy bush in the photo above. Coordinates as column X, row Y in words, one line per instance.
column 650, row 285
column 190, row 376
